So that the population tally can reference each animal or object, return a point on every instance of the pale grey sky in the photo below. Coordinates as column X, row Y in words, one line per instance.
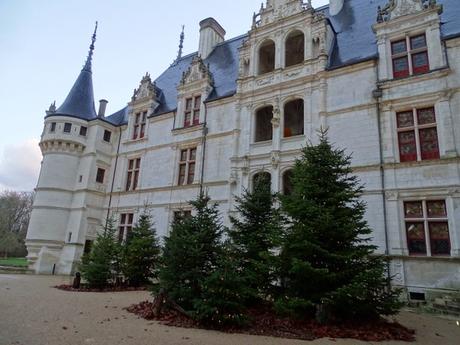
column 44, row 43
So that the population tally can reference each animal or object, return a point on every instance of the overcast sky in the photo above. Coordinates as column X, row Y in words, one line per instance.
column 44, row 43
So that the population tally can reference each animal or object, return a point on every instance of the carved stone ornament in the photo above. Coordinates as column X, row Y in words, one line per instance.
column 197, row 71
column 145, row 90
column 275, row 159
column 233, row 177
column 398, row 8
column 278, row 9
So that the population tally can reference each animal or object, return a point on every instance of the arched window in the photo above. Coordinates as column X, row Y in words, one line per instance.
column 287, row 182
column 262, row 177
column 263, row 124
column 293, row 118
column 267, row 57
column 295, row 48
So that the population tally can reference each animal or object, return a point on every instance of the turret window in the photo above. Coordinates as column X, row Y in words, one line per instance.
column 67, row 127
column 134, row 167
column 53, row 127
column 107, row 136
column 140, row 121
column 410, row 56
column 187, row 165
column 83, row 131
column 100, row 175
column 192, row 111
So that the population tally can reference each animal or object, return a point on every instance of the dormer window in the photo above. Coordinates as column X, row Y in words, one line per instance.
column 410, row 56
column 192, row 111
column 139, row 125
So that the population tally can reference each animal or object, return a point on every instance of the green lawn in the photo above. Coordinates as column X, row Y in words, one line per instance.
column 14, row 262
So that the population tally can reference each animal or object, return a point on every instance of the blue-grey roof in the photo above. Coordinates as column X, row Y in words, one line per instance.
column 354, row 42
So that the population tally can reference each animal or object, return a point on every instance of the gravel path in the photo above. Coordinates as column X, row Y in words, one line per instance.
column 33, row 313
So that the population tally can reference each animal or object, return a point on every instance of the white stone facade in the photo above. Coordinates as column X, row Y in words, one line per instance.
column 358, row 103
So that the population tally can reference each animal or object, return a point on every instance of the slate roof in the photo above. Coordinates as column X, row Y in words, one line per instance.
column 354, row 42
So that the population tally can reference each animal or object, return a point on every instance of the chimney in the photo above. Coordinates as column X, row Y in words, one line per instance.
column 102, row 107
column 211, row 34
column 335, row 6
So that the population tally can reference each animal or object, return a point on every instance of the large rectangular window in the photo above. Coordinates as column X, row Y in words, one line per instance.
column 140, row 120
column 417, row 135
column 125, row 227
column 134, row 167
column 187, row 165
column 410, row 56
column 427, row 227
column 192, row 111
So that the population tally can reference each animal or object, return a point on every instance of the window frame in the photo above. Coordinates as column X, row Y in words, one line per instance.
column 192, row 111
column 69, row 126
column 107, row 137
column 132, row 175
column 139, row 125
column 83, row 131
column 186, row 175
column 409, row 55
column 100, row 172
column 416, row 128
column 425, row 219
column 125, row 226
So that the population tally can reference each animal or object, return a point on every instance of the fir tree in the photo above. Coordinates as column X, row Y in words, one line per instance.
column 225, row 292
column 326, row 258
column 101, row 264
column 190, row 253
column 255, row 234
column 141, row 253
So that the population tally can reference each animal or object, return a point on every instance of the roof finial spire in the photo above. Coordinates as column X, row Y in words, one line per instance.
column 91, row 50
column 181, row 44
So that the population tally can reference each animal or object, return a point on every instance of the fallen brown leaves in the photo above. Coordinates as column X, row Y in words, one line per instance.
column 266, row 322
column 107, row 289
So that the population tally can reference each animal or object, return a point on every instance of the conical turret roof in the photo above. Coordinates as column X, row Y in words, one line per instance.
column 80, row 100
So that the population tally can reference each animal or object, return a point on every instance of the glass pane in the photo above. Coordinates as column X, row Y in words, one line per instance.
column 429, row 143
column 401, row 64
column 128, row 181
column 407, row 146
column 436, row 209
column 130, row 218
column 416, row 238
column 181, row 174
column 439, row 238
column 420, row 60
column 183, row 155
column 413, row 209
column 123, row 219
column 144, row 116
column 138, row 163
column 287, row 183
column 188, row 104
column 398, row 47
column 138, row 117
column 131, row 164
column 191, row 173
column 418, row 42
column 193, row 154
column 426, row 116
column 405, row 119
column 197, row 102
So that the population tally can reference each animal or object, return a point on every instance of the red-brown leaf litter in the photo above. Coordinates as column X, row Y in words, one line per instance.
column 266, row 322
column 106, row 289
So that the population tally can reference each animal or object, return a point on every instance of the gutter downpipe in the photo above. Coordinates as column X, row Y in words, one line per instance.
column 377, row 94
column 205, row 133
column 113, row 178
